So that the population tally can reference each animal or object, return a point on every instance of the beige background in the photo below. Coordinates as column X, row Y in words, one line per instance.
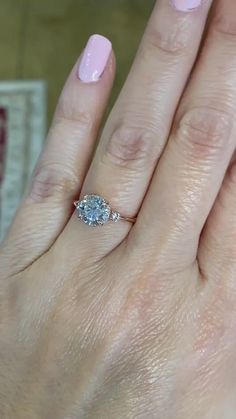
column 41, row 39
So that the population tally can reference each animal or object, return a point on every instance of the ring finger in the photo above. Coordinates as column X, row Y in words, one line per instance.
column 64, row 161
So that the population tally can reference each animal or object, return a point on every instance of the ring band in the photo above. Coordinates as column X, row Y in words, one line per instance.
column 95, row 211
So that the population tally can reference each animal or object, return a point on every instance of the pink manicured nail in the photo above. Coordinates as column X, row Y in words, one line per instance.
column 94, row 59
column 186, row 5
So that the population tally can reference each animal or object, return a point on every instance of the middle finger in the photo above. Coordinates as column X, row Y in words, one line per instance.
column 139, row 124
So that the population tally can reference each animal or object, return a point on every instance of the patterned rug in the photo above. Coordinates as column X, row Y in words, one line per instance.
column 22, row 132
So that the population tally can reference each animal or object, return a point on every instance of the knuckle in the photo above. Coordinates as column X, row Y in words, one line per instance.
column 204, row 131
column 171, row 42
column 51, row 179
column 225, row 25
column 70, row 115
column 131, row 148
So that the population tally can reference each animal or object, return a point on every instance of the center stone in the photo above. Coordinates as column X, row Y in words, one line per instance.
column 94, row 210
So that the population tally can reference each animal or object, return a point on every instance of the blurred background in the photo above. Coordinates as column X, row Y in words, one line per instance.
column 39, row 43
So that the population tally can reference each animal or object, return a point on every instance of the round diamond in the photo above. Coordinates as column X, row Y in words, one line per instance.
column 94, row 210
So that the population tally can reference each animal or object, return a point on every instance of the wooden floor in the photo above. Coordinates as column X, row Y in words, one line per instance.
column 41, row 39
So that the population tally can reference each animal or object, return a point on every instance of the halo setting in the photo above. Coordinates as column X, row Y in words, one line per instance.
column 95, row 211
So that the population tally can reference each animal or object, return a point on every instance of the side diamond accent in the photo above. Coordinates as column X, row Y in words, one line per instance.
column 115, row 216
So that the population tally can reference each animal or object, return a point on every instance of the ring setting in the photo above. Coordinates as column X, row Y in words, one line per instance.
column 94, row 210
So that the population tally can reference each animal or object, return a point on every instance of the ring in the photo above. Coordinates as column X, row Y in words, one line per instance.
column 96, row 211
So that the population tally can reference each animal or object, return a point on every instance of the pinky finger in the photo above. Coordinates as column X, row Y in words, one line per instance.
column 63, row 164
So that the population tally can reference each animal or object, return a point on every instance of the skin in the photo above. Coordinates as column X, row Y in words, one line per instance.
column 130, row 321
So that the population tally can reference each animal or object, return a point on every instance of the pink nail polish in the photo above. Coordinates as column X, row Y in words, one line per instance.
column 186, row 5
column 94, row 59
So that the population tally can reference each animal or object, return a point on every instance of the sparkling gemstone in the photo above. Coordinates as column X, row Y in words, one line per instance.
column 115, row 216
column 94, row 210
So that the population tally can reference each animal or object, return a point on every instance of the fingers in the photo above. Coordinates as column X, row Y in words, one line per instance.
column 139, row 124
column 190, row 173
column 62, row 166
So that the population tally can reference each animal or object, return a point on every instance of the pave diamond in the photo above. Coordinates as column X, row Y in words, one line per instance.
column 94, row 210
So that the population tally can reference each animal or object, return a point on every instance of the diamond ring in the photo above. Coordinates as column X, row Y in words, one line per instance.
column 96, row 211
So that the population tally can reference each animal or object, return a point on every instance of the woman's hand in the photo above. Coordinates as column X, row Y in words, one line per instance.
column 131, row 321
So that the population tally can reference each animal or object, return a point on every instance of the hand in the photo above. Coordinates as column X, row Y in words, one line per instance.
column 131, row 321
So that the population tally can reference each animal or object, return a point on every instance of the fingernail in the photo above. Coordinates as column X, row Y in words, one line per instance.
column 186, row 5
column 94, row 59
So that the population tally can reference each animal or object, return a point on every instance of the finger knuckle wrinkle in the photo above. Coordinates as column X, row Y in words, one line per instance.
column 73, row 115
column 129, row 147
column 172, row 42
column 204, row 130
column 50, row 180
column 225, row 25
